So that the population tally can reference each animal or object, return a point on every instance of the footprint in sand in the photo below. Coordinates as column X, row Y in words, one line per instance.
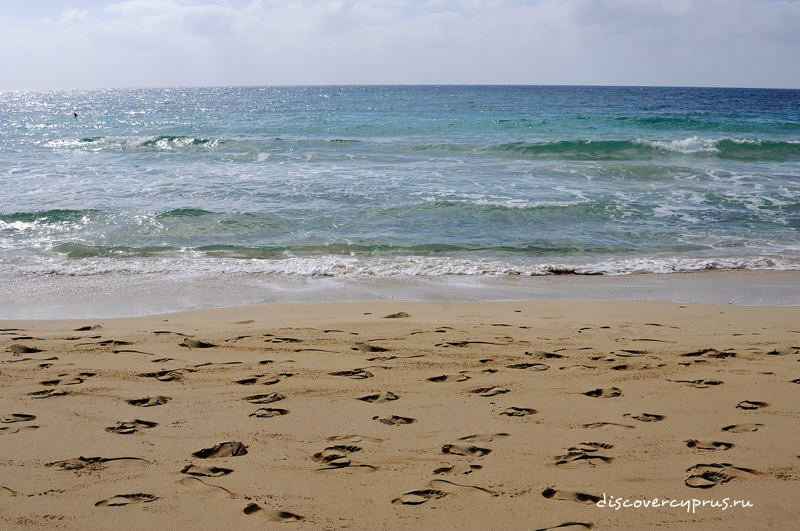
column 466, row 450
column 149, row 401
column 709, row 446
column 548, row 355
column 465, row 343
column 284, row 340
column 742, row 428
column 594, row 425
column 90, row 463
column 167, row 375
column 418, row 497
column 160, row 332
column 262, row 379
column 333, row 331
column 87, row 328
column 268, row 412
column 532, row 366
column 18, row 349
column 126, row 499
column 455, row 470
column 385, row 396
column 113, row 342
column 68, row 381
column 569, row 526
column 706, row 476
column 460, row 377
column 751, row 405
column 208, row 364
column 452, row 487
column 366, row 347
column 7, row 430
column 580, row 497
column 237, row 338
column 700, row 352
column 132, row 426
column 224, row 449
column 17, row 417
column 335, row 453
column 517, row 411
column 338, row 456
column 207, row 471
column 585, row 452
column 48, row 393
column 254, row 509
column 268, row 398
column 355, row 374
column 439, row 488
column 611, row 392
column 206, row 489
column 484, row 437
column 395, row 420
column 489, row 391
column 398, row 315
column 195, row 343
column 645, row 417
column 387, row 358
column 699, row 384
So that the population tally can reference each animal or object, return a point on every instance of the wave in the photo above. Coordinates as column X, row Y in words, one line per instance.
column 725, row 148
column 632, row 149
column 78, row 250
column 741, row 149
column 177, row 141
column 47, row 216
column 183, row 213
column 82, row 250
column 396, row 267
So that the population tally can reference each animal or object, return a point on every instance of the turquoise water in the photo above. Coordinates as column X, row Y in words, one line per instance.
column 398, row 181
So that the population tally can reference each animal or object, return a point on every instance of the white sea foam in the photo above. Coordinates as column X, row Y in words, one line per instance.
column 519, row 203
column 396, row 267
column 693, row 144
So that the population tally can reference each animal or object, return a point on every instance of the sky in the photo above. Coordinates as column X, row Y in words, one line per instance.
column 47, row 44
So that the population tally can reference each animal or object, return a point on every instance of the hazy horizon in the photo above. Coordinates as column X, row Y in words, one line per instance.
column 211, row 43
column 289, row 85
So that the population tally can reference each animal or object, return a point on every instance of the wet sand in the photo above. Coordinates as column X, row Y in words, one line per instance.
column 485, row 415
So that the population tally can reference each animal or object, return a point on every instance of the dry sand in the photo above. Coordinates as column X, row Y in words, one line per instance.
column 495, row 415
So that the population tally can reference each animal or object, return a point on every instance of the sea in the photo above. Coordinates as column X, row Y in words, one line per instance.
column 304, row 183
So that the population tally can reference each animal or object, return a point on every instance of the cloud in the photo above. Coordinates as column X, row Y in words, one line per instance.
column 228, row 42
column 73, row 15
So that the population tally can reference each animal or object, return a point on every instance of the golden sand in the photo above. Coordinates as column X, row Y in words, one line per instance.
column 462, row 416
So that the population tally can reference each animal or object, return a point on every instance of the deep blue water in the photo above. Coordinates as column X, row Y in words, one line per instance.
column 396, row 181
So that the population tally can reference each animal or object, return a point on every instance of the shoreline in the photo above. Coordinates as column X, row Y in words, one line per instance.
column 49, row 297
column 401, row 415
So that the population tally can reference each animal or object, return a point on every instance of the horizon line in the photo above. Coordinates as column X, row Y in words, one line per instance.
column 289, row 85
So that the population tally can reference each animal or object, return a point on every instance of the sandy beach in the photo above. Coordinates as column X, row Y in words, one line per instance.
column 402, row 415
